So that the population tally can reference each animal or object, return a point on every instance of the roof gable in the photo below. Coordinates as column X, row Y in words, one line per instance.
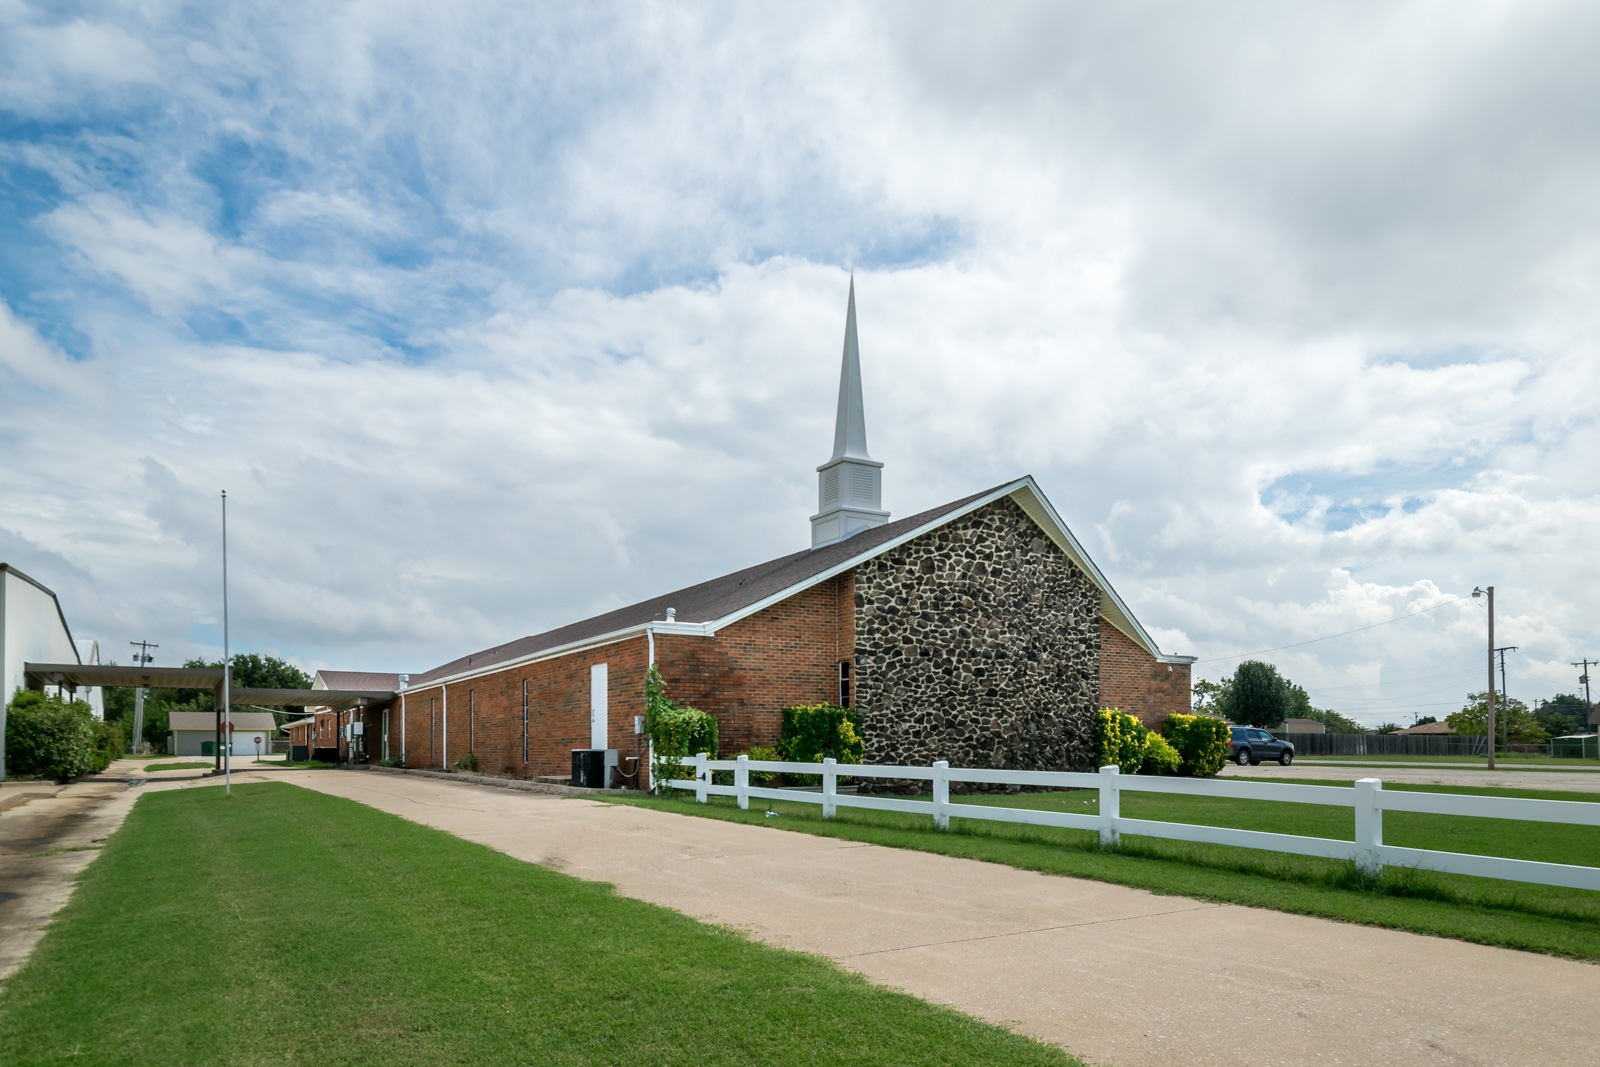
column 710, row 606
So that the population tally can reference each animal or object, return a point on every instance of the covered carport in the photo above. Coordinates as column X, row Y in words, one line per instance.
column 341, row 705
column 340, row 729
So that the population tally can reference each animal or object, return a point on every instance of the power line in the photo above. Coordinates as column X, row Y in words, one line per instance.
column 1330, row 637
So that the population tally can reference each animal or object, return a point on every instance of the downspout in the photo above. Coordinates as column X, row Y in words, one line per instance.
column 650, row 637
column 405, row 679
column 444, row 747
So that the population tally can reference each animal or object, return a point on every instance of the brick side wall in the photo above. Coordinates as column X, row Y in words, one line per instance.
column 1136, row 682
column 485, row 714
column 784, row 655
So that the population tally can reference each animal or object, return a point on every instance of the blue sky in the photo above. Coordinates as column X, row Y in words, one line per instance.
column 492, row 317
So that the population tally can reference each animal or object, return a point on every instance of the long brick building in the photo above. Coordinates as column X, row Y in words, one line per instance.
column 979, row 631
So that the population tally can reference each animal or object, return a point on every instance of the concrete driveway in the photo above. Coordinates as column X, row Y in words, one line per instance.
column 1116, row 975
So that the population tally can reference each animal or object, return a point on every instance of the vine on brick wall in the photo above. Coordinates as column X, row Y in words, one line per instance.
column 676, row 732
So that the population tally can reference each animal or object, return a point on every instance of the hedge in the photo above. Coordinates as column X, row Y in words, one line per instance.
column 47, row 737
column 1201, row 741
column 1119, row 739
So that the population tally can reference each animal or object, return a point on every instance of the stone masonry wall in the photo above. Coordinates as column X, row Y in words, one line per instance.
column 978, row 643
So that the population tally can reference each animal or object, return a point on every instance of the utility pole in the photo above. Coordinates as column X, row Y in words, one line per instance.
column 143, row 658
column 226, row 733
column 1583, row 680
column 1490, row 724
column 1505, row 698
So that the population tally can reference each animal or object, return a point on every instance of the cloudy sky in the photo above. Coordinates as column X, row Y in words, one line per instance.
column 491, row 317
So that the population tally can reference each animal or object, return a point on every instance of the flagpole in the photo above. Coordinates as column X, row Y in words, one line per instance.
column 227, row 664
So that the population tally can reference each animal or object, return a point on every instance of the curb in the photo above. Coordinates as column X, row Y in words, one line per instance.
column 548, row 788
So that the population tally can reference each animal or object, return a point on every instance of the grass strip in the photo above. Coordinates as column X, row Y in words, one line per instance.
column 302, row 928
column 177, row 766
column 1563, row 922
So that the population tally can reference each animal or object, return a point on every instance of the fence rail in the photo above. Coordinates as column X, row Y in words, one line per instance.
column 1368, row 801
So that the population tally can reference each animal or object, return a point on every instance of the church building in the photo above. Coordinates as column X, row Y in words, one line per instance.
column 978, row 631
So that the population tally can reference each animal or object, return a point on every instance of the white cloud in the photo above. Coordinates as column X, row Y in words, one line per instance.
column 491, row 317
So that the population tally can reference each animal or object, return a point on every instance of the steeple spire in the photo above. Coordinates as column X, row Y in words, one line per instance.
column 850, row 429
column 850, row 484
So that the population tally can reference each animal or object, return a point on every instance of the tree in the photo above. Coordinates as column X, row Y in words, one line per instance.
column 1565, row 713
column 1258, row 695
column 1424, row 720
column 1513, row 720
column 1388, row 728
column 1211, row 698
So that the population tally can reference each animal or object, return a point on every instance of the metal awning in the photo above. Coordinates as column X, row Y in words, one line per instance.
column 337, row 699
column 73, row 675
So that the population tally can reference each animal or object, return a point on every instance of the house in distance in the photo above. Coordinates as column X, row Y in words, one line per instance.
column 978, row 631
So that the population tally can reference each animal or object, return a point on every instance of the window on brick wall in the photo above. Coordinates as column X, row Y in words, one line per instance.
column 844, row 684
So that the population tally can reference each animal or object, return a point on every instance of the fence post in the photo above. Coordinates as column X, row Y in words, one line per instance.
column 830, row 786
column 1369, row 826
column 941, row 794
column 701, row 776
column 1110, row 804
column 741, row 783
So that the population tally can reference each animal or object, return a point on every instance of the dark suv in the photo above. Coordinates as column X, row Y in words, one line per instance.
column 1247, row 745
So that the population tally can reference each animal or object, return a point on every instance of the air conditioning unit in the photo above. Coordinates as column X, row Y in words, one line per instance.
column 593, row 768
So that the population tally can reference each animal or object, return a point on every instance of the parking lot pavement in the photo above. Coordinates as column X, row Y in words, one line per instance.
column 1577, row 781
column 1119, row 976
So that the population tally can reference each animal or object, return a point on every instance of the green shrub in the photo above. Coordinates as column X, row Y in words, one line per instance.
column 110, row 742
column 762, row 752
column 1201, row 741
column 1159, row 757
column 47, row 737
column 812, row 733
column 467, row 764
column 1119, row 739
column 676, row 732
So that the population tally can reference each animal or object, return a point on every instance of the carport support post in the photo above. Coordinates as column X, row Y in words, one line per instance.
column 701, row 776
column 941, row 794
column 741, row 782
column 1110, row 804
column 1369, row 826
column 830, row 787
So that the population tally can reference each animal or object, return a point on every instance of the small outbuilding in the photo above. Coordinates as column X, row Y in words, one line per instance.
column 1428, row 728
column 194, row 733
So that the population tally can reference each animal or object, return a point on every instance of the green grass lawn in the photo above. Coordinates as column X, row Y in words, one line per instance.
column 1538, row 918
column 297, row 928
column 177, row 766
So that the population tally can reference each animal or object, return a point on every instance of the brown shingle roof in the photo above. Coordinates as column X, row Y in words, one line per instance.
column 705, row 602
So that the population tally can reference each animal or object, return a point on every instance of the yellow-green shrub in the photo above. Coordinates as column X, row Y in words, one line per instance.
column 1159, row 757
column 1201, row 741
column 1119, row 738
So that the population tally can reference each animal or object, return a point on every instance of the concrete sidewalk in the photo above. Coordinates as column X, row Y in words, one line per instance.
column 1116, row 975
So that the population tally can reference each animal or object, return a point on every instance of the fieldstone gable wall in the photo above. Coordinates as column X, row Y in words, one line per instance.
column 978, row 643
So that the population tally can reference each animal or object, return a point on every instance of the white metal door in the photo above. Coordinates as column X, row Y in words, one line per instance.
column 597, row 706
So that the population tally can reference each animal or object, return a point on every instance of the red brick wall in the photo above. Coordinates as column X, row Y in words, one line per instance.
column 745, row 676
column 784, row 655
column 485, row 714
column 1133, row 680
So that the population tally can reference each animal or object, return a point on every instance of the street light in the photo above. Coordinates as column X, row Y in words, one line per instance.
column 1477, row 593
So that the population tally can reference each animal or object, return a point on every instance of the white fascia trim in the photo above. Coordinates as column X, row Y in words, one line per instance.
column 686, row 629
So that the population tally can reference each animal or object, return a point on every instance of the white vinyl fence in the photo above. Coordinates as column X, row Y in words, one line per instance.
column 1368, row 799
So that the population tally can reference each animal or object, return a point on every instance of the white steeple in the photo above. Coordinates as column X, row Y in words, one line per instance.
column 850, row 484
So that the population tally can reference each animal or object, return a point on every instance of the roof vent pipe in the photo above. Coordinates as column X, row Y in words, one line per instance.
column 672, row 614
column 405, row 680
